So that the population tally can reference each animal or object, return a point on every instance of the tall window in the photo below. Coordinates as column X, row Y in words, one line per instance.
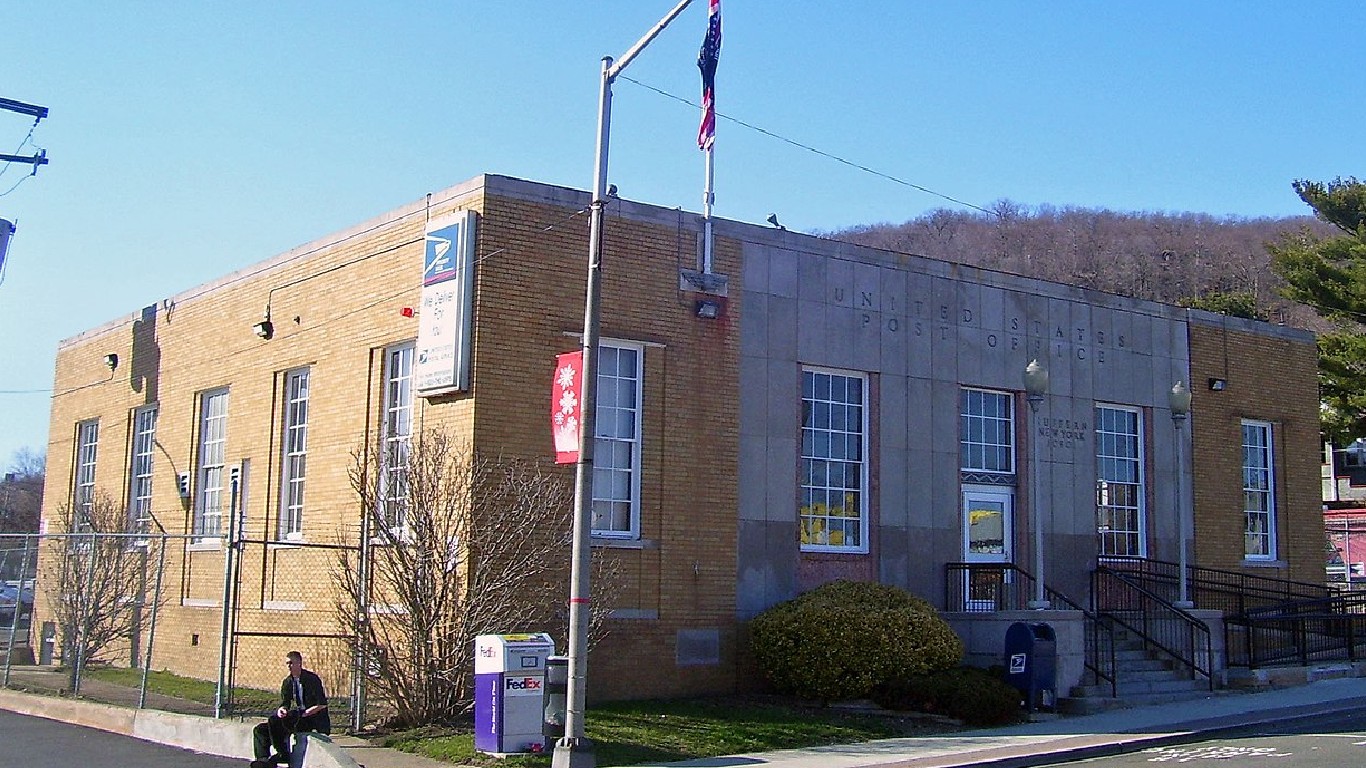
column 616, row 443
column 986, row 431
column 140, row 473
column 397, row 435
column 1120, row 520
column 833, row 467
column 293, row 463
column 213, row 437
column 87, row 444
column 1259, row 492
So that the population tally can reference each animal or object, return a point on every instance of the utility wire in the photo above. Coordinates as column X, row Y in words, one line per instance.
column 814, row 150
column 19, row 148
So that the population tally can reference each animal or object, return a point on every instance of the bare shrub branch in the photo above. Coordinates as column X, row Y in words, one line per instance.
column 483, row 548
column 97, row 580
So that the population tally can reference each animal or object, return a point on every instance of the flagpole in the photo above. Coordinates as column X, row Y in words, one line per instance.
column 706, row 132
column 708, row 197
column 574, row 750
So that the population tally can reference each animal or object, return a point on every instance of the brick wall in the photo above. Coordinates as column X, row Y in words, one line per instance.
column 1270, row 376
column 335, row 305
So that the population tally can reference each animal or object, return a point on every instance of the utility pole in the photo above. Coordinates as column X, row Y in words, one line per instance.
column 37, row 113
column 574, row 750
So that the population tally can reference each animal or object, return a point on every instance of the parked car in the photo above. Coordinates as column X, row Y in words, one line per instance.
column 15, row 600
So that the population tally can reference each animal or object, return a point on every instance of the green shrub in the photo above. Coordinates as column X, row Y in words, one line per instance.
column 973, row 695
column 842, row 640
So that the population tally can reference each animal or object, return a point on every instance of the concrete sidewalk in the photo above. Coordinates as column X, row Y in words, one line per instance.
column 1071, row 738
column 1031, row 744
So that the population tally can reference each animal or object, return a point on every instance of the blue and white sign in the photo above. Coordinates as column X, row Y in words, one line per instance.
column 441, row 257
column 442, row 358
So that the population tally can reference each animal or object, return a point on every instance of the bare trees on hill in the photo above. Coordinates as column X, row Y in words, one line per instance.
column 1167, row 257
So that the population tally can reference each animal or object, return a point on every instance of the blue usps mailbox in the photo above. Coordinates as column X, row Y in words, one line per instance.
column 1032, row 664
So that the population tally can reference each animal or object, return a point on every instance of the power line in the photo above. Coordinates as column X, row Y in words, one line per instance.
column 814, row 150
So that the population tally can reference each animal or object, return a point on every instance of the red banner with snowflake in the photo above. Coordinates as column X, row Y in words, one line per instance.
column 566, row 406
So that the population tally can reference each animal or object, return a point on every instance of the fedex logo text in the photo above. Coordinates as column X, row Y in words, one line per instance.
column 523, row 686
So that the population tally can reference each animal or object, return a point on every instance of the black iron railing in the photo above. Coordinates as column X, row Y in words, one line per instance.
column 1123, row 597
column 990, row 587
column 1298, row 632
column 1232, row 592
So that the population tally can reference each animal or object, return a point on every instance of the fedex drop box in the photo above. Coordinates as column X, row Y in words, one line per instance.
column 509, row 690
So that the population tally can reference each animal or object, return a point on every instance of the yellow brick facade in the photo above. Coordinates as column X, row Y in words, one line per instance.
column 1257, row 370
column 335, row 305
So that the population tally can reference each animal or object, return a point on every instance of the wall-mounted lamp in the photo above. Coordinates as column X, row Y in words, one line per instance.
column 1217, row 385
column 111, row 361
column 707, row 309
column 265, row 329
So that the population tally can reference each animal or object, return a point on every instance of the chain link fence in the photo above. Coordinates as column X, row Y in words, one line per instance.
column 185, row 623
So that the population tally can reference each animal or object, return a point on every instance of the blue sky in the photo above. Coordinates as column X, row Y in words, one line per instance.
column 188, row 139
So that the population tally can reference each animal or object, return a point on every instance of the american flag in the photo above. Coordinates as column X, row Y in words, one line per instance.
column 706, row 61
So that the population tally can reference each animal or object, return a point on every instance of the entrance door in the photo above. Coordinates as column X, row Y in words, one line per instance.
column 987, row 513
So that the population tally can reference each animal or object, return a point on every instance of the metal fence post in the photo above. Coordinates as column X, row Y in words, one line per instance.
column 152, row 625
column 83, row 612
column 363, row 616
column 18, row 608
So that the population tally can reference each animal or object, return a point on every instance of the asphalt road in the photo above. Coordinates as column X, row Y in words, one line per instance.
column 1328, row 741
column 29, row 741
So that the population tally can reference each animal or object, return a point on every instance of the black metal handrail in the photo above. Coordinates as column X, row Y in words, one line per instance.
column 1233, row 592
column 990, row 587
column 1298, row 632
column 1123, row 598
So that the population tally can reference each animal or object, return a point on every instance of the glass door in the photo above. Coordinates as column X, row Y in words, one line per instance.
column 987, row 523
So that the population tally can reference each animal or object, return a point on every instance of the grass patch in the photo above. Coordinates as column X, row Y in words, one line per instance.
column 626, row 733
column 188, row 688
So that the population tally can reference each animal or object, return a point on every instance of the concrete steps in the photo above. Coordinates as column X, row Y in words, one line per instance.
column 1144, row 677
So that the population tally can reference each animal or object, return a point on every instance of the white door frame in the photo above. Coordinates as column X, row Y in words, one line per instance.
column 986, row 499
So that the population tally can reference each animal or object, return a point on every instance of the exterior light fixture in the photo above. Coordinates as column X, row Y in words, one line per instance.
column 1179, row 401
column 1036, row 386
column 111, row 361
column 265, row 329
column 1217, row 385
column 707, row 309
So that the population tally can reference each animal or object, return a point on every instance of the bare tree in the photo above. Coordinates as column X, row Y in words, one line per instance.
column 95, row 579
column 460, row 545
column 21, row 492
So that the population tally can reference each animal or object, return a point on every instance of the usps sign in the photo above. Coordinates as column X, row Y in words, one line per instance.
column 442, row 358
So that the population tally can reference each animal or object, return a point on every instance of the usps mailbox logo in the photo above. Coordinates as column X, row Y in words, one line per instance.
column 1017, row 663
column 522, row 686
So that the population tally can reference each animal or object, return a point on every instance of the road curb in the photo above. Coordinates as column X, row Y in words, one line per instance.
column 211, row 736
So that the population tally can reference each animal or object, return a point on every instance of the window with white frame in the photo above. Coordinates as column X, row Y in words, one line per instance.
column 293, row 463
column 140, row 471
column 87, row 445
column 397, row 434
column 1120, row 522
column 986, row 431
column 1259, row 492
column 834, row 470
column 212, row 493
column 616, row 441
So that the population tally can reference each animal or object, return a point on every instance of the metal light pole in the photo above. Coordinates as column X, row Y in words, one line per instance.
column 574, row 750
column 1179, row 401
column 1036, row 385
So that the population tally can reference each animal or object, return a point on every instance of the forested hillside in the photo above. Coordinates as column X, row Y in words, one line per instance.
column 1168, row 257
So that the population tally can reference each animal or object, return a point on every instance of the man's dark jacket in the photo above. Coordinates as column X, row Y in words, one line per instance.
column 313, row 696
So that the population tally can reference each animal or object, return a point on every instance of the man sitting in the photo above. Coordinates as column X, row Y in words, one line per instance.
column 303, row 707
